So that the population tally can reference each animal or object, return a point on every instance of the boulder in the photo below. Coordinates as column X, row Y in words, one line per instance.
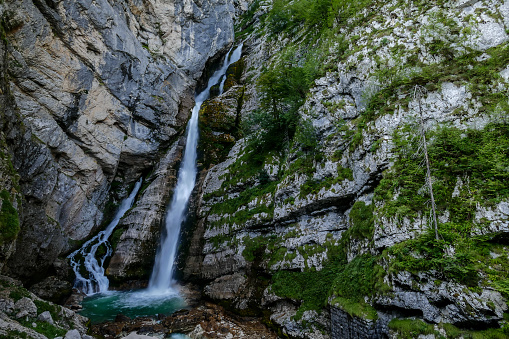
column 25, row 307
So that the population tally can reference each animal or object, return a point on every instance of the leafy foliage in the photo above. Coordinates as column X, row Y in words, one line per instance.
column 283, row 89
column 472, row 164
column 412, row 328
column 349, row 281
column 409, row 328
column 362, row 220
column 312, row 287
column 319, row 15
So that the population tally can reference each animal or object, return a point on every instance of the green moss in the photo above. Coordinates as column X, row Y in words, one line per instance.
column 312, row 288
column 14, row 334
column 234, row 74
column 43, row 306
column 254, row 247
column 356, row 279
column 357, row 309
column 44, row 328
column 232, row 206
column 412, row 328
column 313, row 186
column 478, row 156
column 338, row 154
column 409, row 328
column 315, row 16
column 218, row 130
column 9, row 219
column 115, row 237
column 18, row 293
column 479, row 159
column 362, row 221
column 245, row 24
column 350, row 282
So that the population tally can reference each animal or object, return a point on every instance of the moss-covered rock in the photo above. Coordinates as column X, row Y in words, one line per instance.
column 219, row 125
column 215, row 115
column 234, row 74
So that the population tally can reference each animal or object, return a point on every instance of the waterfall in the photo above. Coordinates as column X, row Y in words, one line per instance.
column 97, row 281
column 161, row 279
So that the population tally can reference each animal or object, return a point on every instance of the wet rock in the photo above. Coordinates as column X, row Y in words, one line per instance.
column 109, row 330
column 116, row 96
column 219, row 124
column 135, row 251
column 74, row 300
column 349, row 327
column 121, row 318
column 211, row 321
column 134, row 335
column 226, row 287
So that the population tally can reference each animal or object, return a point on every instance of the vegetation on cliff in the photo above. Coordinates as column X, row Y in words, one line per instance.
column 310, row 142
column 9, row 219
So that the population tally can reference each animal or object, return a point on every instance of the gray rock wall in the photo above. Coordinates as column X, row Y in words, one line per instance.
column 102, row 89
column 345, row 326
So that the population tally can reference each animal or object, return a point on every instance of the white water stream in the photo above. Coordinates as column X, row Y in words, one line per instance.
column 162, row 274
column 97, row 282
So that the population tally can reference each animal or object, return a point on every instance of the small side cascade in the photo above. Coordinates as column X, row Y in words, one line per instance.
column 97, row 282
column 161, row 280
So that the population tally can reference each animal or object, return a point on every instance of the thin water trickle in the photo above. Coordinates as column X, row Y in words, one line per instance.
column 97, row 282
column 162, row 274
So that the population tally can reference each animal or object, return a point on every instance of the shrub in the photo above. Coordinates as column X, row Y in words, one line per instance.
column 9, row 219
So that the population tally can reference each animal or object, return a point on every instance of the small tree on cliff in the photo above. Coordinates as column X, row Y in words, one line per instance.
column 418, row 92
column 283, row 90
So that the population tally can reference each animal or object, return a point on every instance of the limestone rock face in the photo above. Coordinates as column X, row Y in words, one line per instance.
column 293, row 209
column 100, row 89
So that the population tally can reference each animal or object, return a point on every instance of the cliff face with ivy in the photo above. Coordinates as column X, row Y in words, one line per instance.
column 319, row 218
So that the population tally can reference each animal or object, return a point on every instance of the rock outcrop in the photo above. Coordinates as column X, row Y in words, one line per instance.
column 24, row 315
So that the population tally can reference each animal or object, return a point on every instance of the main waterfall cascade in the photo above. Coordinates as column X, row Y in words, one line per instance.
column 160, row 296
column 97, row 282
column 161, row 279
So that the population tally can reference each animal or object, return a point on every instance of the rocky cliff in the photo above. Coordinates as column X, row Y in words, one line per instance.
column 322, row 213
column 94, row 94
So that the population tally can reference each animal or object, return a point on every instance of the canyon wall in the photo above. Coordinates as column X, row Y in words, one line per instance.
column 94, row 94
